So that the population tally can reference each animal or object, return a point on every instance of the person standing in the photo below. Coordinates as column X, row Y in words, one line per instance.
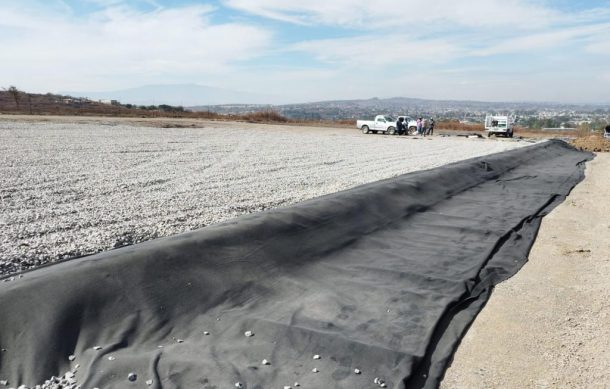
column 419, row 126
column 424, row 127
column 431, row 127
column 400, row 127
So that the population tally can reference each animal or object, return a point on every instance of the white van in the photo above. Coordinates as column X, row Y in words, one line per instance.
column 499, row 125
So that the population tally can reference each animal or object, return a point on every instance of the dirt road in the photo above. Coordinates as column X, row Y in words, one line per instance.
column 549, row 325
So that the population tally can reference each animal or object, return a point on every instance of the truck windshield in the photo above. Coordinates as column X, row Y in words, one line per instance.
column 389, row 119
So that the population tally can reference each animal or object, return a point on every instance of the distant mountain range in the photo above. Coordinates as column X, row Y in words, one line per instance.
column 224, row 101
column 177, row 94
column 352, row 109
column 392, row 103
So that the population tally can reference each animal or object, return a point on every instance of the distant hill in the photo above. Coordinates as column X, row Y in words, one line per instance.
column 177, row 94
column 528, row 114
column 54, row 104
column 16, row 101
column 363, row 108
column 21, row 102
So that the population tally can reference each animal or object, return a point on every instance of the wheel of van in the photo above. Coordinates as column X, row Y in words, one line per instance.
column 412, row 130
column 489, row 134
column 365, row 129
column 392, row 130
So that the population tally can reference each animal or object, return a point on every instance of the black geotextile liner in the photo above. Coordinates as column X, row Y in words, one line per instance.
column 385, row 278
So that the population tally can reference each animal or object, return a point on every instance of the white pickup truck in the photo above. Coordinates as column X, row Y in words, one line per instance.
column 499, row 125
column 385, row 124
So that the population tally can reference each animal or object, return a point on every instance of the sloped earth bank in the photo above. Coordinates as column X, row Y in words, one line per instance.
column 383, row 278
column 549, row 325
column 68, row 190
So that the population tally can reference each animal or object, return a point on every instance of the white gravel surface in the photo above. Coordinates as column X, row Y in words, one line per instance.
column 68, row 190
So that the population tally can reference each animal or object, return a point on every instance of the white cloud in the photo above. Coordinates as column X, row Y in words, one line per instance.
column 393, row 47
column 600, row 45
column 408, row 13
column 109, row 3
column 546, row 40
column 372, row 51
column 377, row 50
column 121, row 46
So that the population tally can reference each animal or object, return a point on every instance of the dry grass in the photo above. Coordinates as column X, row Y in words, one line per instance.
column 268, row 116
column 535, row 133
column 595, row 143
column 454, row 125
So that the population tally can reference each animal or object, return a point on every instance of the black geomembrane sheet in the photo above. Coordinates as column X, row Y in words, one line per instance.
column 385, row 278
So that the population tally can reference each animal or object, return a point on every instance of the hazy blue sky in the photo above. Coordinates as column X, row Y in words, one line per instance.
column 304, row 50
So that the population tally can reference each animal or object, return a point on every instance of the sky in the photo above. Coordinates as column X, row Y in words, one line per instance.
column 312, row 50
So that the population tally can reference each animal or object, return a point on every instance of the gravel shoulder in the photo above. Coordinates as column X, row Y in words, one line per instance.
column 549, row 325
column 69, row 189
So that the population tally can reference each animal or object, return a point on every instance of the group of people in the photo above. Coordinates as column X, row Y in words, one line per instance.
column 424, row 126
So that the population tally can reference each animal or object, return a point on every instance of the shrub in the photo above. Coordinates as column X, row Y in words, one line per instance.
column 264, row 116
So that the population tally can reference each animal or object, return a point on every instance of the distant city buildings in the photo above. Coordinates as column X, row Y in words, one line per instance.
column 533, row 115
